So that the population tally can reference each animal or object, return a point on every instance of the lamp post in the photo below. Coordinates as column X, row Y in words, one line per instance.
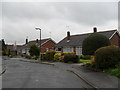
column 40, row 41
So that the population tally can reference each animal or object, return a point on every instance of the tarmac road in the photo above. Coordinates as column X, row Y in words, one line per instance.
column 33, row 75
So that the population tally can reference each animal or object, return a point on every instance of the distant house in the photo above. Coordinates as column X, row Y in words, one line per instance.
column 73, row 43
column 46, row 45
column 12, row 49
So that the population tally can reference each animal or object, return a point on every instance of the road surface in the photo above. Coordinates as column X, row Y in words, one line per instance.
column 21, row 74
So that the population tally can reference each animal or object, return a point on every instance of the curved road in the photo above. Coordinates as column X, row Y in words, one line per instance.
column 32, row 75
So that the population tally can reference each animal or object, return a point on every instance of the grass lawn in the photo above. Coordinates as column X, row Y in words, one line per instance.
column 85, row 61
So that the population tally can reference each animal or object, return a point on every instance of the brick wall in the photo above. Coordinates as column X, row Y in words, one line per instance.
column 115, row 40
column 49, row 44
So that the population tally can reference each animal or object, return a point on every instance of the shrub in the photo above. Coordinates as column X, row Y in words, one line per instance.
column 107, row 57
column 28, row 57
column 43, row 55
column 49, row 56
column 115, row 72
column 93, row 42
column 34, row 50
column 71, row 58
column 86, row 57
column 64, row 53
column 56, row 56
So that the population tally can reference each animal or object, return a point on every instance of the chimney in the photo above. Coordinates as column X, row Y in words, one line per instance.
column 36, row 40
column 68, row 35
column 26, row 41
column 94, row 29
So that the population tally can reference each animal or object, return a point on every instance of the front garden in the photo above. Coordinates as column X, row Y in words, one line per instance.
column 98, row 55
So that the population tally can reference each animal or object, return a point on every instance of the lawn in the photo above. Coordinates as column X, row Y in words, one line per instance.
column 85, row 61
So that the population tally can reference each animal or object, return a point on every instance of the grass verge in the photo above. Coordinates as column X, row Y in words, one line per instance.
column 114, row 72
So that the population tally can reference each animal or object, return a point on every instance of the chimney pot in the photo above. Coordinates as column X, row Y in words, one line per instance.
column 26, row 41
column 68, row 35
column 94, row 29
column 36, row 40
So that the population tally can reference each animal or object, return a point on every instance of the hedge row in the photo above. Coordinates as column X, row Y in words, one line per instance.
column 107, row 57
column 61, row 57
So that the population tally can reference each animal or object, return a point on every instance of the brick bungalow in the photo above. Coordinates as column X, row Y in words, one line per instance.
column 46, row 45
column 73, row 43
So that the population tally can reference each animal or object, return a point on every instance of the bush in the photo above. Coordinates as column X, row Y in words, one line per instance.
column 34, row 50
column 86, row 57
column 49, row 56
column 43, row 56
column 28, row 57
column 57, row 56
column 107, row 57
column 115, row 72
column 71, row 58
column 93, row 42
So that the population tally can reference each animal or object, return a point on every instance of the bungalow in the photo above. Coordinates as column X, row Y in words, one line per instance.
column 46, row 45
column 73, row 43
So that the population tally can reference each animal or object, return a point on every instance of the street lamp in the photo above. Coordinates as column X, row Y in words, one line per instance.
column 40, row 41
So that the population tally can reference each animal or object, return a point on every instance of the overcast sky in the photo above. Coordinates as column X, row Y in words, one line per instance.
column 19, row 19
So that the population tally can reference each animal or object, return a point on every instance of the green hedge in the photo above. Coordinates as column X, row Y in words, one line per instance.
column 85, row 57
column 107, row 57
column 49, row 56
column 71, row 58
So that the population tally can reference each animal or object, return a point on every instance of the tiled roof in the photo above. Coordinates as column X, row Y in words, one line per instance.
column 76, row 40
column 34, row 42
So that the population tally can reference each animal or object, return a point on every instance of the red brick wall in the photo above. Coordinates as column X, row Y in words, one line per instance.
column 49, row 44
column 115, row 40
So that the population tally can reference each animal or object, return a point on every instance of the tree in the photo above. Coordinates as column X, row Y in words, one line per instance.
column 93, row 42
column 34, row 50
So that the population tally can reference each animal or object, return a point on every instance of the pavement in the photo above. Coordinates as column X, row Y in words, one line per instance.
column 96, row 79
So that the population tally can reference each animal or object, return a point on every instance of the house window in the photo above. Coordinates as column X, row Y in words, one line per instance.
column 67, row 49
column 59, row 49
column 78, row 51
column 47, row 49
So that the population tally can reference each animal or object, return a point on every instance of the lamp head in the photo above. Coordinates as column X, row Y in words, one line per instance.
column 37, row 28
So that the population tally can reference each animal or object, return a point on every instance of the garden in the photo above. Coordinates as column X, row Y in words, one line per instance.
column 98, row 55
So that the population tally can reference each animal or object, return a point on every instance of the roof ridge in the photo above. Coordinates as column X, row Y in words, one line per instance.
column 39, row 39
column 92, row 32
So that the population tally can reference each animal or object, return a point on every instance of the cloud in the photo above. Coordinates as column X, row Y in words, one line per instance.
column 20, row 19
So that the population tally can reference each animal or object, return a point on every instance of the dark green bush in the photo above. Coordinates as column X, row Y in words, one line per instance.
column 71, row 58
column 107, row 57
column 115, row 72
column 34, row 50
column 49, row 56
column 93, row 42
column 86, row 57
